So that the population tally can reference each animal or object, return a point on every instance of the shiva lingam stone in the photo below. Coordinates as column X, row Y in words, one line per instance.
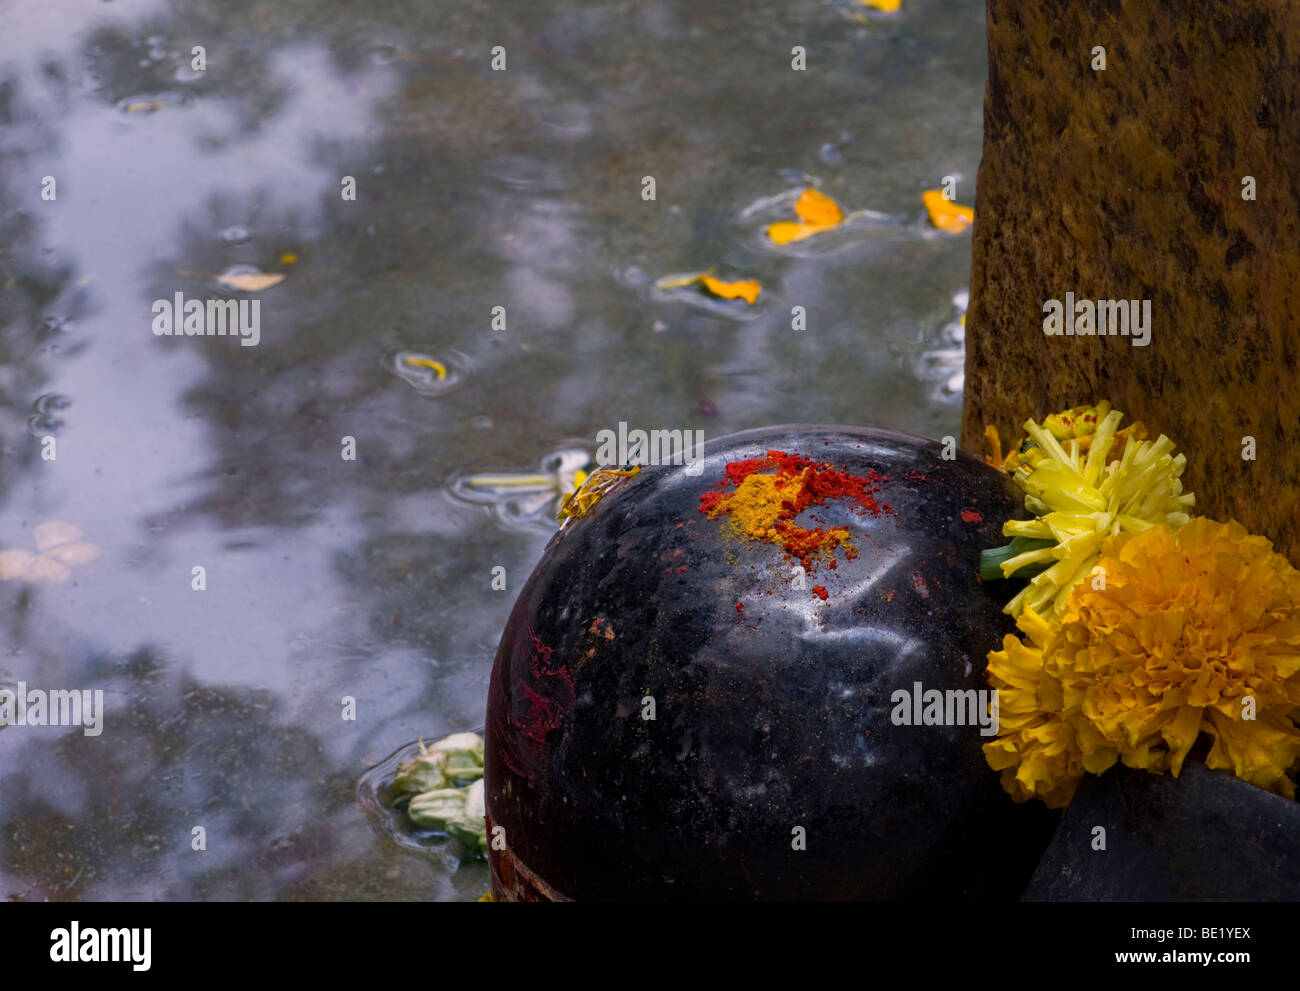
column 760, row 675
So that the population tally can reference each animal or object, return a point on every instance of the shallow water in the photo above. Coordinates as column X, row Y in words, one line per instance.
column 370, row 578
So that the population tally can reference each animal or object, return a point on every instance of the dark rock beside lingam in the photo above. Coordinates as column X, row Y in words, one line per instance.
column 775, row 765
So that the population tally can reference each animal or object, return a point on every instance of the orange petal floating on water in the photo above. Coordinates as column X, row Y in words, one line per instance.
column 787, row 231
column 746, row 289
column 818, row 208
column 945, row 214
column 818, row 212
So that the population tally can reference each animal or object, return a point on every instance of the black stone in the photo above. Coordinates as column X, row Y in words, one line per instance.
column 1203, row 836
column 767, row 720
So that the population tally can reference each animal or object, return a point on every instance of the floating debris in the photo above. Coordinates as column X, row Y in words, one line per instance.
column 59, row 548
column 818, row 215
column 817, row 212
column 945, row 363
column 746, row 289
column 243, row 278
column 235, row 235
column 529, row 498
column 424, row 373
column 424, row 795
column 949, row 217
column 151, row 102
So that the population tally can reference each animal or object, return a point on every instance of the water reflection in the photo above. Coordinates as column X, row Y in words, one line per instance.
column 322, row 576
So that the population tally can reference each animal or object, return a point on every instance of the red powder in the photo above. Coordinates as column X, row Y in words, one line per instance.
column 740, row 609
column 808, row 483
column 970, row 516
column 820, row 592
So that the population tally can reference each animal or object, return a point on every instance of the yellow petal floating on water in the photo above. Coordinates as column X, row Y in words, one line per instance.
column 746, row 289
column 786, row 231
column 678, row 282
column 888, row 6
column 419, row 361
column 144, row 106
column 818, row 208
column 818, row 212
column 252, row 282
column 945, row 214
column 288, row 258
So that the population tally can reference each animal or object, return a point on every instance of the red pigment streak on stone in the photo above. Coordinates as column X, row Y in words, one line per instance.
column 820, row 591
column 970, row 516
column 547, row 701
column 542, row 716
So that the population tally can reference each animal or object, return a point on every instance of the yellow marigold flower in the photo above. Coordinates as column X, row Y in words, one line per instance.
column 1035, row 749
column 1081, row 498
column 1188, row 631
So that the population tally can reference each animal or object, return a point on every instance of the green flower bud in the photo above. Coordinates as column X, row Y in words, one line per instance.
column 436, row 809
column 467, row 745
column 423, row 773
column 471, row 827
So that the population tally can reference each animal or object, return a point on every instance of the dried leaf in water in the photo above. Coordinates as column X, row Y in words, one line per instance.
column 44, row 568
column 73, row 555
column 14, row 564
column 746, row 289
column 54, row 532
column 945, row 214
column 252, row 282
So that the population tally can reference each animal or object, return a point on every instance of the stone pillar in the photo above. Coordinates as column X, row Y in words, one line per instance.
column 1131, row 182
